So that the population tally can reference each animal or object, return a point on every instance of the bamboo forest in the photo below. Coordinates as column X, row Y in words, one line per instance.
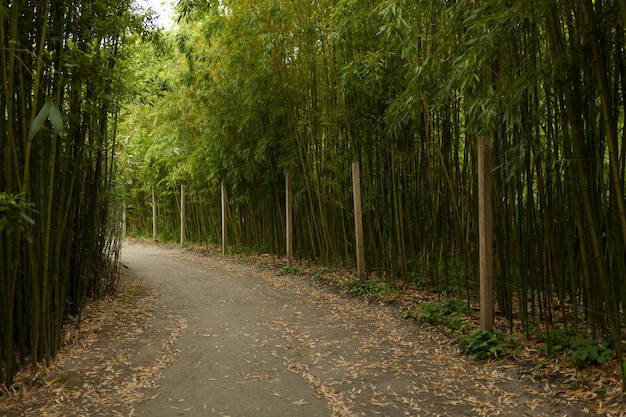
column 107, row 116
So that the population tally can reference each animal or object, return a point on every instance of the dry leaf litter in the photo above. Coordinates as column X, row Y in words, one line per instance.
column 362, row 358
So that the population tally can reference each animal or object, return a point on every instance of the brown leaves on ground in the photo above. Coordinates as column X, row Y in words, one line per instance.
column 362, row 357
column 334, row 398
column 94, row 375
column 430, row 357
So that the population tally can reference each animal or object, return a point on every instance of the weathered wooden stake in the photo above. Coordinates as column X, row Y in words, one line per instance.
column 154, row 216
column 124, row 220
column 485, row 234
column 358, row 221
column 224, row 218
column 182, row 214
column 288, row 218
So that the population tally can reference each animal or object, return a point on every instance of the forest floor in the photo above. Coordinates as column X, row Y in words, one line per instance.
column 194, row 335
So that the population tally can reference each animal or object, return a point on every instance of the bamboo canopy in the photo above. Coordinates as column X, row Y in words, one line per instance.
column 59, row 216
column 245, row 91
column 406, row 89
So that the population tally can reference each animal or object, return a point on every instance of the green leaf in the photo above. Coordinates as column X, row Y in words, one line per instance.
column 27, row 218
column 56, row 119
column 42, row 116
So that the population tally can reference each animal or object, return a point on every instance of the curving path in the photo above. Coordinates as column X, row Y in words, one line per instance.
column 257, row 344
column 196, row 336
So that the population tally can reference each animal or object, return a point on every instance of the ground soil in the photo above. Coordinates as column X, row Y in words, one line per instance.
column 196, row 335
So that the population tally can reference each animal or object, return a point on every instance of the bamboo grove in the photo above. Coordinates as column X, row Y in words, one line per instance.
column 60, row 72
column 246, row 91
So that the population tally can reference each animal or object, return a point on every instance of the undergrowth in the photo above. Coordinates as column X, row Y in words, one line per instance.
column 292, row 270
column 580, row 350
column 371, row 289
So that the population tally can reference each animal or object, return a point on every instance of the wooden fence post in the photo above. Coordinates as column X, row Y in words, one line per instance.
column 358, row 221
column 288, row 218
column 224, row 218
column 123, row 220
column 182, row 214
column 154, row 215
column 485, row 234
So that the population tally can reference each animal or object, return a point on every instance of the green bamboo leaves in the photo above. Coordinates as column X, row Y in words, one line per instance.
column 49, row 111
column 59, row 231
column 13, row 213
column 259, row 88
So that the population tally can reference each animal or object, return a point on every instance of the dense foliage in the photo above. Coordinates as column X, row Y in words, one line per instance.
column 249, row 90
column 60, row 69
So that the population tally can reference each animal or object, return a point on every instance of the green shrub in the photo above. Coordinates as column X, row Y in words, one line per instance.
column 288, row 270
column 450, row 313
column 586, row 351
column 419, row 280
column 319, row 274
column 372, row 289
column 439, row 312
column 483, row 344
column 580, row 350
column 556, row 341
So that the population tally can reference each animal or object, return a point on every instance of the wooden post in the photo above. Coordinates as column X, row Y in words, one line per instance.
column 182, row 214
column 288, row 218
column 154, row 215
column 124, row 220
column 485, row 234
column 358, row 221
column 224, row 218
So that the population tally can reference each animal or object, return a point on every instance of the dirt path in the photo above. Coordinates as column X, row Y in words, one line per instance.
column 205, row 337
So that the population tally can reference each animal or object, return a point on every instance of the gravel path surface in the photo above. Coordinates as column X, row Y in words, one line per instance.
column 198, row 336
column 264, row 345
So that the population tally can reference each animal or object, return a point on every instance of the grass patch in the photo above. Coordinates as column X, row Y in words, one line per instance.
column 449, row 312
column 292, row 270
column 321, row 273
column 371, row 289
